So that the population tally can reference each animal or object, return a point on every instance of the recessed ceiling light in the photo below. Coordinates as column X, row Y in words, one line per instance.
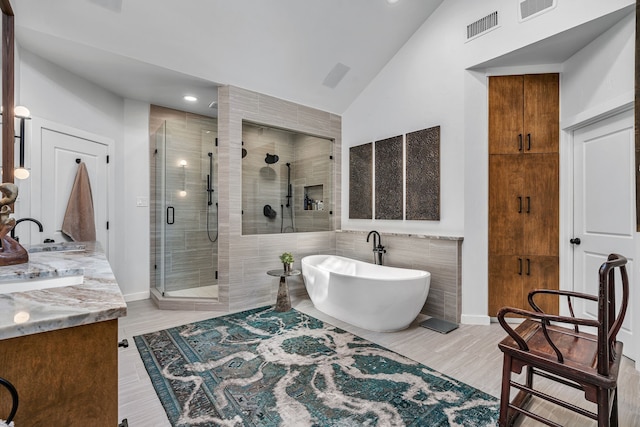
column 392, row 1
column 190, row 98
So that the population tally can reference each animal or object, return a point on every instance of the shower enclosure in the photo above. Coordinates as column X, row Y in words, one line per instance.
column 185, row 208
column 286, row 181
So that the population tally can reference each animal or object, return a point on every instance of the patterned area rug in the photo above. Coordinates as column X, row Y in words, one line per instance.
column 265, row 368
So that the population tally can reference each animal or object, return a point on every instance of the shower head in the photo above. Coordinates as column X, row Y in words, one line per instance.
column 271, row 159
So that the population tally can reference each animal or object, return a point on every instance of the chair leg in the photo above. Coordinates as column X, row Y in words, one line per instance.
column 603, row 407
column 613, row 418
column 529, row 376
column 506, row 390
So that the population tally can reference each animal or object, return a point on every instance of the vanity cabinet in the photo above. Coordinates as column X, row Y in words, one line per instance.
column 66, row 377
column 523, row 189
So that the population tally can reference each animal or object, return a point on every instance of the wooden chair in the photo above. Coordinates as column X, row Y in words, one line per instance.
column 554, row 347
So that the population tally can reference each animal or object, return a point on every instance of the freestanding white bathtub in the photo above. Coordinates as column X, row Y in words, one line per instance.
column 370, row 296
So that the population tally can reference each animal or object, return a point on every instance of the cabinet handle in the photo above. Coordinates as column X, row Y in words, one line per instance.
column 528, row 142
column 528, row 204
column 528, row 267
column 170, row 214
column 519, row 142
column 519, row 266
column 519, row 204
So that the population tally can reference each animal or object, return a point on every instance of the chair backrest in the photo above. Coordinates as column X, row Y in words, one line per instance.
column 609, row 321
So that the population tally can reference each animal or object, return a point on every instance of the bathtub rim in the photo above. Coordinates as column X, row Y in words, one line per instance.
column 422, row 273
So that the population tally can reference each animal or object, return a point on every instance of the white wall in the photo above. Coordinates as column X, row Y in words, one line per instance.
column 600, row 76
column 57, row 95
column 426, row 84
column 134, row 265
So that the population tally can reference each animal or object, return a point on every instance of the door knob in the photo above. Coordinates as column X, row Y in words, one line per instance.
column 575, row 241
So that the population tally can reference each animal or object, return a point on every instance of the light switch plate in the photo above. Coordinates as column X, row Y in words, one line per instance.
column 142, row 201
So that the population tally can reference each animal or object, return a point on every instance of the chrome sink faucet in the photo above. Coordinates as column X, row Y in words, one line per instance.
column 378, row 249
column 35, row 221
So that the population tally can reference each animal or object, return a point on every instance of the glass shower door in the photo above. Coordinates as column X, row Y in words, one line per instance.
column 186, row 210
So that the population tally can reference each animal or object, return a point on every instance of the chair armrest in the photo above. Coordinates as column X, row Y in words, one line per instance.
column 568, row 294
column 544, row 319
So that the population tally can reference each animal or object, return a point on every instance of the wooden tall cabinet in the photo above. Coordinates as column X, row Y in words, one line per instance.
column 523, row 189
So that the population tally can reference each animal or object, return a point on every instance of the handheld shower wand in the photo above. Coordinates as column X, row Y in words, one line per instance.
column 209, row 191
column 209, row 180
column 289, row 195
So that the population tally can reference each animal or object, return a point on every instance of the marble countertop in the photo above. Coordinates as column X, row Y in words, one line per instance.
column 414, row 235
column 97, row 299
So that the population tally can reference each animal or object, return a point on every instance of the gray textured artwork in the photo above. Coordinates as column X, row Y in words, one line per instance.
column 360, row 181
column 389, row 178
column 423, row 174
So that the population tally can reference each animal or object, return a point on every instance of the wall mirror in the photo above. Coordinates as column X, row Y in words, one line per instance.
column 287, row 181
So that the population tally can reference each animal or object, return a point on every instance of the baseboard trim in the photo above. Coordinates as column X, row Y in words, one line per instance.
column 138, row 296
column 470, row 319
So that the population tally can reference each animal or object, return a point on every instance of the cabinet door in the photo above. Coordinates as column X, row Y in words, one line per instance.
column 541, row 200
column 541, row 113
column 541, row 272
column 506, row 106
column 506, row 204
column 505, row 282
column 541, row 222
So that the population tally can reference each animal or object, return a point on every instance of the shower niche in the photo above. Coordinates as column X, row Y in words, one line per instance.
column 313, row 198
column 287, row 181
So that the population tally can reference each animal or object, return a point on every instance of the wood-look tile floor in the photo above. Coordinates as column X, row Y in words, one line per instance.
column 469, row 354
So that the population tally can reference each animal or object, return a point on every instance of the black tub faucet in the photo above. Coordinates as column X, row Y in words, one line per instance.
column 35, row 221
column 378, row 249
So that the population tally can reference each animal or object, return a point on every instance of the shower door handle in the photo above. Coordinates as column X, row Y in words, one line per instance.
column 170, row 214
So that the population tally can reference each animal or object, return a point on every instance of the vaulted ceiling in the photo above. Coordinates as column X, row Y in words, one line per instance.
column 159, row 50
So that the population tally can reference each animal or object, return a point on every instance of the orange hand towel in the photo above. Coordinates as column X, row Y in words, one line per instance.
column 79, row 223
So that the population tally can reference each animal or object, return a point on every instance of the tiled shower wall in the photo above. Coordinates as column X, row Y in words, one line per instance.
column 245, row 259
column 310, row 159
column 441, row 256
column 190, row 257
column 314, row 169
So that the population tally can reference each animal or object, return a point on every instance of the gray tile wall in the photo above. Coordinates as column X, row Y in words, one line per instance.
column 439, row 256
column 244, row 259
column 266, row 184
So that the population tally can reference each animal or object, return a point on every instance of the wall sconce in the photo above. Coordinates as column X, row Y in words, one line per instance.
column 183, row 192
column 23, row 114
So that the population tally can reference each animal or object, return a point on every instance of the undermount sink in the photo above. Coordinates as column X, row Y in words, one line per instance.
column 39, row 283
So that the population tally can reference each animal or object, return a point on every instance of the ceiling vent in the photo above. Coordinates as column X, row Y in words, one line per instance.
column 336, row 74
column 482, row 26
column 531, row 8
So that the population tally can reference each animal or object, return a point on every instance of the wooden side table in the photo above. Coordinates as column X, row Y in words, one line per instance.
column 283, row 302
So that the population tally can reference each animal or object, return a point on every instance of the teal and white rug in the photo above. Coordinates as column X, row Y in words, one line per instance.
column 265, row 368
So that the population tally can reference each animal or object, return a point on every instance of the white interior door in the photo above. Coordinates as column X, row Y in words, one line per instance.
column 59, row 167
column 604, row 211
